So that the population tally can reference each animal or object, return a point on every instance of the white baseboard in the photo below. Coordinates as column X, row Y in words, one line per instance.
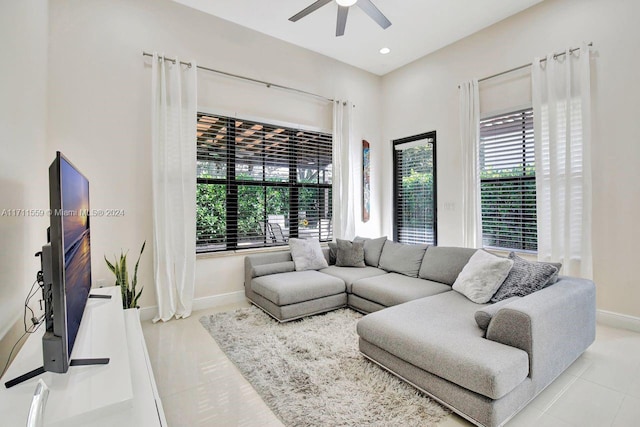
column 617, row 320
column 148, row 313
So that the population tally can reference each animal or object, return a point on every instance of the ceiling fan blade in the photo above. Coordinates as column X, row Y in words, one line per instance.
column 343, row 11
column 375, row 14
column 311, row 8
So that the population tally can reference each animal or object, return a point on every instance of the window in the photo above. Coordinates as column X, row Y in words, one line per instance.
column 260, row 184
column 508, row 181
column 414, row 164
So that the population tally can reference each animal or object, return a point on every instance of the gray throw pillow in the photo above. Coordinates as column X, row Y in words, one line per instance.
column 484, row 315
column 333, row 252
column 307, row 254
column 372, row 249
column 402, row 258
column 524, row 278
column 350, row 254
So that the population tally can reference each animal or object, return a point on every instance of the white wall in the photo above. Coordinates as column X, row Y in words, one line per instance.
column 99, row 108
column 23, row 171
column 423, row 96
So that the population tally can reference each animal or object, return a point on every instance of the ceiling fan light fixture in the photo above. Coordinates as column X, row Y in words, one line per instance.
column 343, row 11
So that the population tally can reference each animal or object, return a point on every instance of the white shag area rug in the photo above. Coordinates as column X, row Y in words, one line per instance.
column 310, row 372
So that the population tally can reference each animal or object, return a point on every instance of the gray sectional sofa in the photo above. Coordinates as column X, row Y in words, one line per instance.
column 427, row 334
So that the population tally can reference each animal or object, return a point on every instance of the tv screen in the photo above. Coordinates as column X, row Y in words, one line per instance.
column 70, row 248
column 74, row 189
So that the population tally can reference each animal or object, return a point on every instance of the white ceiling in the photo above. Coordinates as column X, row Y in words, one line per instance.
column 418, row 28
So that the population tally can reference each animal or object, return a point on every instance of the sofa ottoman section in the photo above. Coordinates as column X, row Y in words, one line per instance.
column 296, row 286
column 290, row 295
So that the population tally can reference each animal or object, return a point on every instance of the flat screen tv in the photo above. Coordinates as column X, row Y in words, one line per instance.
column 67, row 277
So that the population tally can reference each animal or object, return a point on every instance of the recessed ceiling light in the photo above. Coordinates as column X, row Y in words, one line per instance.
column 346, row 3
column 385, row 50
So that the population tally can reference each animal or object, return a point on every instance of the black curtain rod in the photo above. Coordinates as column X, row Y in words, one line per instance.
column 555, row 55
column 237, row 76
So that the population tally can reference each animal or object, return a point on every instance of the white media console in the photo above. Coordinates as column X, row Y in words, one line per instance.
column 121, row 393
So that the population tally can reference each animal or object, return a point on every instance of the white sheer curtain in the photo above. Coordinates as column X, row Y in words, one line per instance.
column 173, row 136
column 343, row 170
column 470, row 139
column 562, row 128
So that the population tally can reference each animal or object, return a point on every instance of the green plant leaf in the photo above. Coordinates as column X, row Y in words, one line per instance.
column 120, row 271
column 111, row 266
column 135, row 300
column 134, row 280
column 124, row 274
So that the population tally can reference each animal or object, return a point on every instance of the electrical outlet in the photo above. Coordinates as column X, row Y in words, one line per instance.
column 449, row 206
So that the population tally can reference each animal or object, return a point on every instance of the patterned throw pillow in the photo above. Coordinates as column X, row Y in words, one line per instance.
column 524, row 278
column 350, row 254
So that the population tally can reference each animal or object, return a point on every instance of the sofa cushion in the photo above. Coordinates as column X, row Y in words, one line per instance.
column 439, row 335
column 443, row 264
column 484, row 315
column 307, row 254
column 372, row 249
column 350, row 254
column 296, row 286
column 524, row 278
column 350, row 275
column 482, row 276
column 393, row 288
column 273, row 268
column 402, row 258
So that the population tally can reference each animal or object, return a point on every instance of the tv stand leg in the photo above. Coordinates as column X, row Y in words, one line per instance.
column 38, row 371
column 24, row 377
column 85, row 362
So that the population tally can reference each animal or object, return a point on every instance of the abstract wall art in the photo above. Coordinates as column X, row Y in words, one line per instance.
column 366, row 181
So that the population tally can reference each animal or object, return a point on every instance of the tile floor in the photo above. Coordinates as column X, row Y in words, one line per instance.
column 199, row 386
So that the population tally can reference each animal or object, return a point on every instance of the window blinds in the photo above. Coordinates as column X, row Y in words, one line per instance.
column 259, row 183
column 507, row 181
column 415, row 189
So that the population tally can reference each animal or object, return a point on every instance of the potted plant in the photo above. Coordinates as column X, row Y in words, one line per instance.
column 119, row 269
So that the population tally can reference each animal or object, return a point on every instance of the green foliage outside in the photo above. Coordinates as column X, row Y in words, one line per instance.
column 490, row 173
column 417, row 198
column 255, row 203
column 211, row 212
column 509, row 198
column 417, row 192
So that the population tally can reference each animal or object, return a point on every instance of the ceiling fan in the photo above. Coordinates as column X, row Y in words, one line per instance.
column 343, row 10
